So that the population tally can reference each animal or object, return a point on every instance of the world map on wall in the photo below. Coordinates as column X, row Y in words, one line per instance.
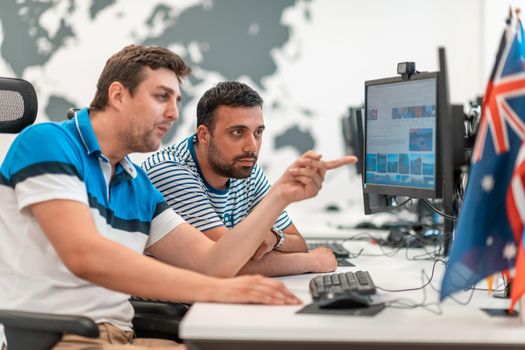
column 221, row 40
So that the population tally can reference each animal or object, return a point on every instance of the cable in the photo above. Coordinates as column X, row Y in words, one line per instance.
column 428, row 255
column 400, row 205
column 415, row 288
column 429, row 205
column 409, row 304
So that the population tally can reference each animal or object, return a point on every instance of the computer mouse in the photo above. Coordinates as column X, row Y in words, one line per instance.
column 344, row 300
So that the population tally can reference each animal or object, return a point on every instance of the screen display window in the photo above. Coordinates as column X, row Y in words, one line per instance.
column 401, row 134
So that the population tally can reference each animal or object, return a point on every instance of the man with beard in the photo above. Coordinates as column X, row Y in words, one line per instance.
column 213, row 181
column 77, row 215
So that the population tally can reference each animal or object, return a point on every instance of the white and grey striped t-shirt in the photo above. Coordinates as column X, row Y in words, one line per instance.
column 176, row 174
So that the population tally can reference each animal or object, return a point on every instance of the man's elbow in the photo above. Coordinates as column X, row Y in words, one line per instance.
column 80, row 265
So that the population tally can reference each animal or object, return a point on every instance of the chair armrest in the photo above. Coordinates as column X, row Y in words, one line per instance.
column 32, row 330
column 159, row 308
column 155, row 319
column 79, row 325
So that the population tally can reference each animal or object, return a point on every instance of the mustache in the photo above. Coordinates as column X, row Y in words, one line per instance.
column 251, row 155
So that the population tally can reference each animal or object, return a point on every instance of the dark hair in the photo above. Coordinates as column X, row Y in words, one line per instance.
column 127, row 67
column 227, row 93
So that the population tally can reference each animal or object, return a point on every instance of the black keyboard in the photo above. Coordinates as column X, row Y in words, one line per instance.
column 358, row 282
column 339, row 251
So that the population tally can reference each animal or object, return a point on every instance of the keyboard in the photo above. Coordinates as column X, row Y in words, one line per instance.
column 358, row 282
column 339, row 251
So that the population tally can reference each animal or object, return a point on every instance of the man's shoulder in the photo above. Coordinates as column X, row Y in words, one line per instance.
column 48, row 131
column 142, row 180
column 177, row 153
column 44, row 142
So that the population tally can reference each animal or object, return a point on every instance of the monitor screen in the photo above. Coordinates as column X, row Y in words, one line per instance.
column 401, row 156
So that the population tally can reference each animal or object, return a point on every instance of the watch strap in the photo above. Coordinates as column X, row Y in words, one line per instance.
column 281, row 237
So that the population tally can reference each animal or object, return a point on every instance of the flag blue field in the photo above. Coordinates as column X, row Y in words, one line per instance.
column 484, row 242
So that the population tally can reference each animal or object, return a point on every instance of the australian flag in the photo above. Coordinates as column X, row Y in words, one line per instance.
column 485, row 241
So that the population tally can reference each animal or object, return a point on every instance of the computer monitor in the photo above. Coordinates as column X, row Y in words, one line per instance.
column 414, row 117
column 401, row 144
column 351, row 135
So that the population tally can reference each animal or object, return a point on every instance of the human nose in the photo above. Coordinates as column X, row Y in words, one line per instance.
column 250, row 143
column 172, row 110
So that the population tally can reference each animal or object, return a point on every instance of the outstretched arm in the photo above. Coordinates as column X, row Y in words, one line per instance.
column 187, row 247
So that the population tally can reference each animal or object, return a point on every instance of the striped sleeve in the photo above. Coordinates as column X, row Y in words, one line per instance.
column 261, row 187
column 185, row 194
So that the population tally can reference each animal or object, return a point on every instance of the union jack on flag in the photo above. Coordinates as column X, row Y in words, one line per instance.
column 486, row 240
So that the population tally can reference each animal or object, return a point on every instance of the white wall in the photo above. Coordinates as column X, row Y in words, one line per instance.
column 322, row 68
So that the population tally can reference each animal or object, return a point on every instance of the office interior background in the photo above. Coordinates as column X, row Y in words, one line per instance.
column 307, row 59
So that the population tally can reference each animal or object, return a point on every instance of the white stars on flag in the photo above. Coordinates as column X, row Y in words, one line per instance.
column 510, row 251
column 487, row 183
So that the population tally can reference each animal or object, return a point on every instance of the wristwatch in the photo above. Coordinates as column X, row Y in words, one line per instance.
column 281, row 237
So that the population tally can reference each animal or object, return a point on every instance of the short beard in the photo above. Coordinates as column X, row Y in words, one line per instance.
column 147, row 143
column 222, row 168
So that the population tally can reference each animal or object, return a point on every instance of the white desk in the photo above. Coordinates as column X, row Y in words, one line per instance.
column 215, row 326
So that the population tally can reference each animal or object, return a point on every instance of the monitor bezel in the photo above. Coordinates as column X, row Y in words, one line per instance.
column 394, row 190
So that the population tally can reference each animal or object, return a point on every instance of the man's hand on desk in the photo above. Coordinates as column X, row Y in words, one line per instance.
column 252, row 290
column 324, row 259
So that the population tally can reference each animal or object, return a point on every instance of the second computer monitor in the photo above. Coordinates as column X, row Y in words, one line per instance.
column 401, row 135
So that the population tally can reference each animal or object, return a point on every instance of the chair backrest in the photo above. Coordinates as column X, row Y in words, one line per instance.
column 18, row 105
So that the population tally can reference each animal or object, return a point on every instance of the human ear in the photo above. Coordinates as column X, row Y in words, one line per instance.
column 203, row 134
column 116, row 93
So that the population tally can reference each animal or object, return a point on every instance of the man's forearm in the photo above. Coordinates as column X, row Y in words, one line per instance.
column 294, row 244
column 240, row 244
column 280, row 264
column 142, row 276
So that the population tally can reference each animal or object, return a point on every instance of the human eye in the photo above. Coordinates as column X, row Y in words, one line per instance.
column 163, row 97
column 237, row 132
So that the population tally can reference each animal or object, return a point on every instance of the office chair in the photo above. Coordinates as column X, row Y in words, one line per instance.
column 30, row 330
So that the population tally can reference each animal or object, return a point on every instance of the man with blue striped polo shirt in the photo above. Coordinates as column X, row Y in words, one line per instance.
column 213, row 181
column 76, row 215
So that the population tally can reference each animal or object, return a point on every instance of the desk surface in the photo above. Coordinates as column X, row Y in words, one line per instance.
column 456, row 326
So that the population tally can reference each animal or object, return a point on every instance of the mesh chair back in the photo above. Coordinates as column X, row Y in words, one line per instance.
column 18, row 105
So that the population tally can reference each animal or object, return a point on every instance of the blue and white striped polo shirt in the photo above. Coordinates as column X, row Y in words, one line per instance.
column 175, row 172
column 63, row 161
